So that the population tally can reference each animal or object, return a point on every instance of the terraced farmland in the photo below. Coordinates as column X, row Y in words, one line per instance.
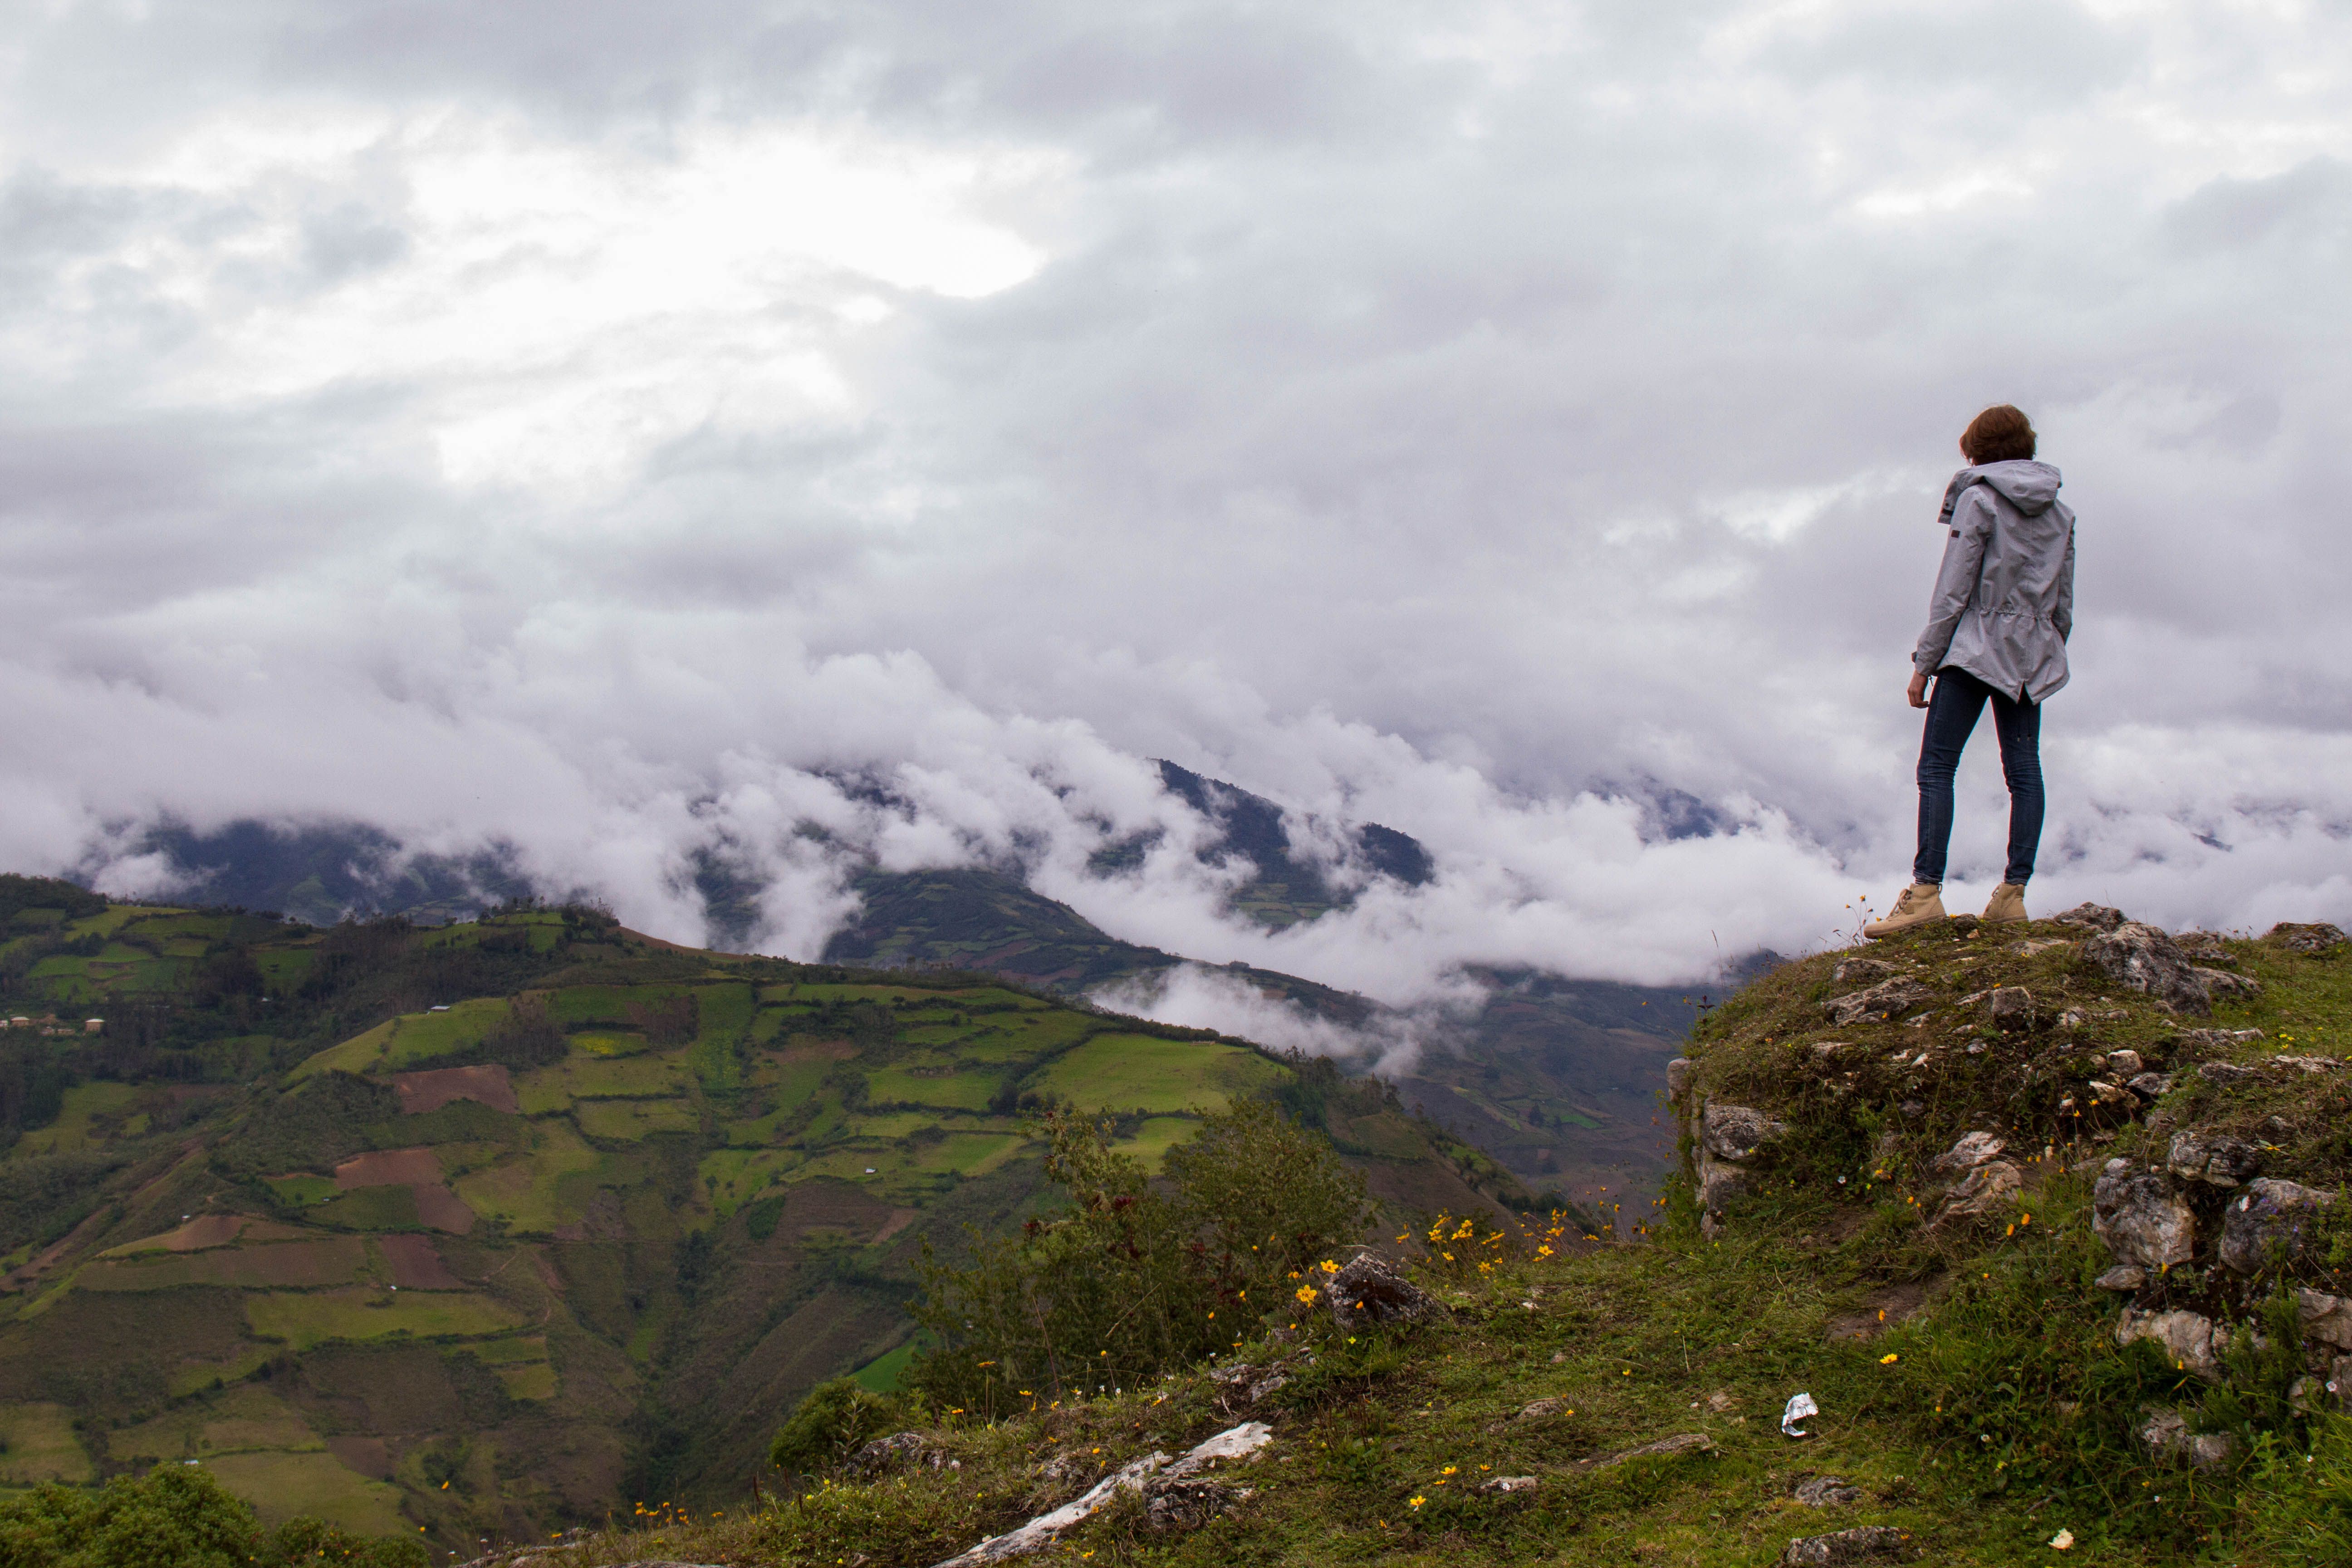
column 492, row 1227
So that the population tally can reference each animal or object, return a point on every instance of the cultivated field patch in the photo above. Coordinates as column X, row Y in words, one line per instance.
column 416, row 1264
column 280, row 1486
column 40, row 1445
column 292, row 1265
column 371, row 1312
column 437, row 1087
column 627, row 1121
column 389, row 1168
column 1121, row 1072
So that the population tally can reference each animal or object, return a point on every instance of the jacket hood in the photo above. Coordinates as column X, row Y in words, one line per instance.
column 2029, row 486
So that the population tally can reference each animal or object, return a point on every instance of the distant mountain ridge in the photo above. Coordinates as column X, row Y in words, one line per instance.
column 1557, row 1077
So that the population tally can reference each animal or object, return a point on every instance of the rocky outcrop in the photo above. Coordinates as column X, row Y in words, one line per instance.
column 2011, row 1008
column 1678, row 1073
column 2141, row 1217
column 2326, row 1318
column 1888, row 999
column 2312, row 940
column 2213, row 1158
column 2270, row 1223
column 1973, row 1149
column 2223, row 986
column 1870, row 1544
column 2095, row 917
column 903, row 1448
column 2166, row 1436
column 1372, row 1289
column 2186, row 1339
column 1986, row 1181
column 1729, row 1138
column 1187, row 1497
column 2143, row 959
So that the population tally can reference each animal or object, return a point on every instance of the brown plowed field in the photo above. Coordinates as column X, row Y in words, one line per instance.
column 328, row 1261
column 422, row 1091
column 442, row 1209
column 415, row 1263
column 389, row 1168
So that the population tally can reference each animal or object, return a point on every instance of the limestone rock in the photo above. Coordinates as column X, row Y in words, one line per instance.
column 1370, row 1289
column 1738, row 1131
column 2213, row 1158
column 2141, row 1219
column 1678, row 1074
column 1869, row 1543
column 2186, row 1338
column 1730, row 1136
column 2126, row 1064
column 884, row 1454
column 2167, row 1437
column 2151, row 1085
column 1888, row 999
column 2142, row 958
column 2328, row 1318
column 2306, row 1064
column 2205, row 1042
column 2010, row 1007
column 2269, row 1224
column 1973, row 1149
column 1185, row 1502
column 2221, row 1075
column 2224, row 986
column 1982, row 1189
column 1826, row 1491
column 1508, row 1484
column 2309, row 940
column 2097, row 917
column 1538, row 1410
column 1862, row 971
column 2121, row 1276
column 2205, row 946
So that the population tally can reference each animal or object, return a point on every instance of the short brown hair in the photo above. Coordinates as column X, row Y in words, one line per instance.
column 2001, row 433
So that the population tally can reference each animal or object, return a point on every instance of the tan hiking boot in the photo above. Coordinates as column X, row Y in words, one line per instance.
column 2008, row 904
column 1920, row 902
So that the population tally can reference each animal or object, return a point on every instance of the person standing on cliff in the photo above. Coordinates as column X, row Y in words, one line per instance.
column 1997, row 629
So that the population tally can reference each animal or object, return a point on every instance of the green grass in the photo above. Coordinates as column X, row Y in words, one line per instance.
column 371, row 1313
column 74, row 1130
column 1156, row 1137
column 533, row 1379
column 1122, row 1072
column 281, row 1484
column 412, row 1037
column 40, row 1445
column 881, row 1375
column 542, row 1190
column 627, row 1121
column 932, row 1082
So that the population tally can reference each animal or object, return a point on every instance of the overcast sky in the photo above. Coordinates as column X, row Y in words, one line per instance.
column 602, row 428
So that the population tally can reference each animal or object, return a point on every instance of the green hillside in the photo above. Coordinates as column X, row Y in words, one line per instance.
column 484, row 1227
column 1556, row 1078
column 2051, row 1223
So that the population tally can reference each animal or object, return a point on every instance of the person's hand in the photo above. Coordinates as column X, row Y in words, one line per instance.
column 1919, row 691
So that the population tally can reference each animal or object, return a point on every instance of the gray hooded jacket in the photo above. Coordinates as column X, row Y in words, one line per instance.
column 2004, row 599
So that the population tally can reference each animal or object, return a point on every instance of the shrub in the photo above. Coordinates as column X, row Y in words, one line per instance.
column 1131, row 1282
column 832, row 1422
column 176, row 1515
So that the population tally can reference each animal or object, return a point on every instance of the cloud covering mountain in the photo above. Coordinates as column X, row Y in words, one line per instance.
column 799, row 433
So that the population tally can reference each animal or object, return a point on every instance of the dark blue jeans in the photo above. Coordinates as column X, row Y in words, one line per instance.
column 1952, row 714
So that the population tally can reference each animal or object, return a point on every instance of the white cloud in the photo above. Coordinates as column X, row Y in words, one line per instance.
column 1483, row 428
